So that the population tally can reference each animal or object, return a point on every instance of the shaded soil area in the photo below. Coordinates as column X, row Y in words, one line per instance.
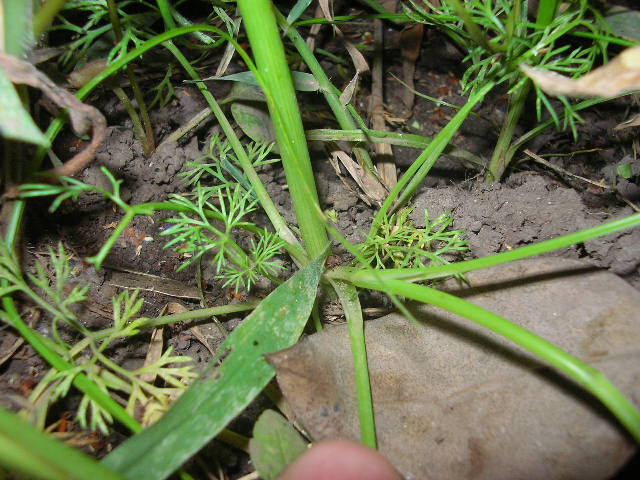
column 533, row 204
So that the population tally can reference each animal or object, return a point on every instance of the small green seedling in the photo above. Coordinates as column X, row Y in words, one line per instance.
column 499, row 36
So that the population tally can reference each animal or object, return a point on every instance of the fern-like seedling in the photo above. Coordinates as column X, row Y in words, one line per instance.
column 399, row 243
column 50, row 290
column 510, row 38
column 210, row 219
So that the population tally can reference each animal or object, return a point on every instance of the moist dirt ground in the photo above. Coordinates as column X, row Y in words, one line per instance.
column 532, row 204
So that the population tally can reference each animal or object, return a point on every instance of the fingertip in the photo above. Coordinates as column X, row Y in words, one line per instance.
column 340, row 460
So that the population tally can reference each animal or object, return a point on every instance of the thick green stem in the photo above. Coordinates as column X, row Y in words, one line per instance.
column 348, row 296
column 330, row 92
column 275, row 78
column 499, row 160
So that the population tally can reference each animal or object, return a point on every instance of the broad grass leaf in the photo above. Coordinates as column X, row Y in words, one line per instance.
column 15, row 121
column 275, row 444
column 223, row 390
column 250, row 113
column 27, row 451
column 624, row 23
column 255, row 122
column 297, row 10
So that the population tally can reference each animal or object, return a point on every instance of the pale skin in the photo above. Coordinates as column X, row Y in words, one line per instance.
column 340, row 460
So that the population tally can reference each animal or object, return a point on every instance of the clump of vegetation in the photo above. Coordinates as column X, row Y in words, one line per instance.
column 499, row 36
column 398, row 243
column 197, row 234
column 85, row 351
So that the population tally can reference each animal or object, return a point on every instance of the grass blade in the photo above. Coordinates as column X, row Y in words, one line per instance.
column 348, row 296
column 25, row 450
column 222, row 392
column 275, row 79
column 15, row 28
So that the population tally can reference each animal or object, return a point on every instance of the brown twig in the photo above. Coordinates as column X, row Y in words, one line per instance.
column 384, row 155
column 562, row 171
column 84, row 118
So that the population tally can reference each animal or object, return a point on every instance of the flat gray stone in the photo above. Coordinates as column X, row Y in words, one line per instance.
column 455, row 401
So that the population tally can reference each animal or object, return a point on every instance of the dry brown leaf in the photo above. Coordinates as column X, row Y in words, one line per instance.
column 370, row 185
column 632, row 122
column 230, row 48
column 620, row 75
column 8, row 353
column 156, row 344
column 385, row 163
column 153, row 283
column 313, row 33
column 373, row 188
column 453, row 401
column 349, row 90
column 152, row 411
column 154, row 352
column 202, row 339
column 83, row 75
column 326, row 9
column 357, row 58
column 359, row 62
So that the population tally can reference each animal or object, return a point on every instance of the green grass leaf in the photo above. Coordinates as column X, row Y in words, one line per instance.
column 297, row 10
column 302, row 81
column 222, row 391
column 625, row 23
column 15, row 121
column 16, row 18
column 255, row 122
column 275, row 445
column 25, row 450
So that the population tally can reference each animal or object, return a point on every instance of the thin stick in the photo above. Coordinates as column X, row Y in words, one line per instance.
column 384, row 154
